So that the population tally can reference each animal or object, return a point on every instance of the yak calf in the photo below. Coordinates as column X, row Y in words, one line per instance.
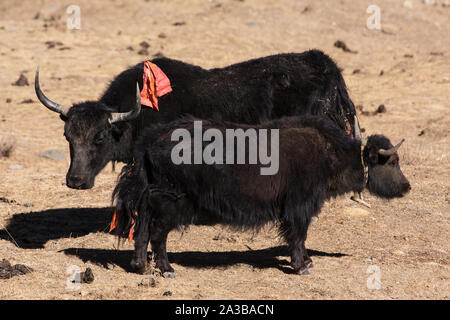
column 317, row 161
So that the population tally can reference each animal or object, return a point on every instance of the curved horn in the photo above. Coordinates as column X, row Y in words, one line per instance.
column 392, row 150
column 357, row 129
column 46, row 101
column 124, row 116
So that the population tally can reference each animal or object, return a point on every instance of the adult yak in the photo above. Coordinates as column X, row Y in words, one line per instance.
column 249, row 92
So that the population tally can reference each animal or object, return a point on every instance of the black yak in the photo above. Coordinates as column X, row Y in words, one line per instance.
column 249, row 92
column 317, row 161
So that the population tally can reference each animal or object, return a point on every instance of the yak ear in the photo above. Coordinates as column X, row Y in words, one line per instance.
column 62, row 117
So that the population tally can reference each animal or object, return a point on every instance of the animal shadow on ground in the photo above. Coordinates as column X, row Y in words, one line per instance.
column 261, row 259
column 32, row 230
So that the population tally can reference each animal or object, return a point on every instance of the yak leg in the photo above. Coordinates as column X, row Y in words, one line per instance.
column 139, row 261
column 295, row 240
column 158, row 241
column 306, row 257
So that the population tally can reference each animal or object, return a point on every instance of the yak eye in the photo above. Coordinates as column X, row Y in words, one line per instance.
column 393, row 163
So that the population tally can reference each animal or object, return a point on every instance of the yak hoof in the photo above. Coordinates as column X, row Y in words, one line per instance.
column 138, row 266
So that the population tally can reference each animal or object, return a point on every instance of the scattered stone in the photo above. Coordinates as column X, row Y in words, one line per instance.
column 341, row 45
column 130, row 48
column 167, row 293
column 381, row 109
column 368, row 260
column 37, row 15
column 143, row 52
column 8, row 271
column 65, row 48
column 150, row 283
column 27, row 101
column 422, row 132
column 2, row 199
column 162, row 35
column 436, row 53
column 110, row 266
column 87, row 276
column 28, row 204
column 22, row 81
column 144, row 44
column 52, row 44
column 179, row 23
column 381, row 72
column 54, row 155
column 169, row 275
column 252, row 24
column 8, row 100
column 356, row 71
column 15, row 166
column 407, row 55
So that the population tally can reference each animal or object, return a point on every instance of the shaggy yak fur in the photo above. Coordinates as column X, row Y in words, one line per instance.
column 317, row 161
column 249, row 92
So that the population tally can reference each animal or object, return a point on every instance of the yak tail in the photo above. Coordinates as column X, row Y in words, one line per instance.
column 131, row 197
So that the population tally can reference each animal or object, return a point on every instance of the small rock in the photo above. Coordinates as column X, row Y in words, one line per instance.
column 22, row 81
column 179, row 23
column 422, row 132
column 54, row 155
column 143, row 52
column 169, row 275
column 252, row 24
column 8, row 100
column 381, row 109
column 368, row 260
column 341, row 44
column 167, row 293
column 28, row 204
column 381, row 72
column 162, row 36
column 150, row 283
column 87, row 276
column 356, row 71
column 144, row 44
column 27, row 101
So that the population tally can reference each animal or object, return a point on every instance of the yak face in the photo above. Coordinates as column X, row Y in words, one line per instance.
column 91, row 140
column 385, row 178
column 95, row 135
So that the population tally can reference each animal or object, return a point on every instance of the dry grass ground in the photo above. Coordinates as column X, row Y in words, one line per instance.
column 50, row 227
